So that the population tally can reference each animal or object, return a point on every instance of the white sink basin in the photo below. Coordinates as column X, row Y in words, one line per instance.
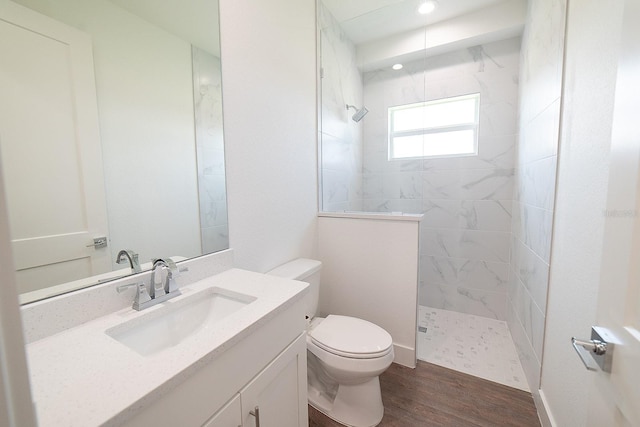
column 178, row 319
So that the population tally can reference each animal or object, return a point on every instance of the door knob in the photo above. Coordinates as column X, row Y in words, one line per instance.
column 99, row 243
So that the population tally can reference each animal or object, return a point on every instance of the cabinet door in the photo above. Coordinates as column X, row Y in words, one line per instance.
column 277, row 397
column 229, row 416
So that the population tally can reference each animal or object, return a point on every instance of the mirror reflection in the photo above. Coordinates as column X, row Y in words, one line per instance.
column 111, row 137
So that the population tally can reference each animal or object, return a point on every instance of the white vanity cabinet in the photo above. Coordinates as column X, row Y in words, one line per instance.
column 229, row 416
column 273, row 397
column 266, row 370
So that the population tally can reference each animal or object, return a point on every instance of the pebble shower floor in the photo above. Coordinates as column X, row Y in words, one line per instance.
column 471, row 344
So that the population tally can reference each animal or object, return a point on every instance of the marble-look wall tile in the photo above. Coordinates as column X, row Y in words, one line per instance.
column 527, row 355
column 340, row 137
column 494, row 152
column 485, row 215
column 441, row 213
column 539, row 137
column 476, row 245
column 372, row 185
column 335, row 186
column 536, row 183
column 541, row 57
column 207, row 96
column 468, row 184
column 215, row 214
column 535, row 179
column 470, row 301
column 466, row 273
column 533, row 226
column 340, row 155
column 402, row 185
column 215, row 239
column 531, row 271
column 529, row 315
column 211, row 190
column 498, row 119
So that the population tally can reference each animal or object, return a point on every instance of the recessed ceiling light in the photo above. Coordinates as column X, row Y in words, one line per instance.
column 428, row 7
column 397, row 67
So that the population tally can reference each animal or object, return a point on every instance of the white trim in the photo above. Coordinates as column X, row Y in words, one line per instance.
column 544, row 413
column 404, row 355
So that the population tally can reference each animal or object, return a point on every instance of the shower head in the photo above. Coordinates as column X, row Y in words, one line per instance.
column 359, row 114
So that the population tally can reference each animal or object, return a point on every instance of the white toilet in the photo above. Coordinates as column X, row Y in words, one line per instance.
column 345, row 356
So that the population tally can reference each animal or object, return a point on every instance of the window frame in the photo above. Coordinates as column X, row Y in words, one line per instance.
column 474, row 126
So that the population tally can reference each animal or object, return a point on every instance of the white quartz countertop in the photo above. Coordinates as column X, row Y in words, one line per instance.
column 84, row 377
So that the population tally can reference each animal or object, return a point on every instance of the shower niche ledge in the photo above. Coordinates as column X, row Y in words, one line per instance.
column 382, row 216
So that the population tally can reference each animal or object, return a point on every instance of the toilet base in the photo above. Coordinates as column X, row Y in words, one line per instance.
column 357, row 405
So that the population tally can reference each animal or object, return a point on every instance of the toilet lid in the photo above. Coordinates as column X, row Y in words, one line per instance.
column 351, row 337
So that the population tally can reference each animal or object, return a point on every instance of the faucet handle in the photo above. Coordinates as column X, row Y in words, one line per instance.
column 170, row 285
column 142, row 296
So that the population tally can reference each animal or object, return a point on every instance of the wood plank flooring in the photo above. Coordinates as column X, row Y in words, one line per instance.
column 431, row 395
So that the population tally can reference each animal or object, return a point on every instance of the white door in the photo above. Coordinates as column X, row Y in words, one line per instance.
column 614, row 398
column 50, row 149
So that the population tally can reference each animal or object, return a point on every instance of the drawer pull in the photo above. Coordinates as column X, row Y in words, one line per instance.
column 256, row 413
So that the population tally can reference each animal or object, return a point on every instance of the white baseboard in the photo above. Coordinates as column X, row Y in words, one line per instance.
column 405, row 356
column 544, row 413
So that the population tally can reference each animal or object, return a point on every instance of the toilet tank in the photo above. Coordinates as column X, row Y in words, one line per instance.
column 304, row 270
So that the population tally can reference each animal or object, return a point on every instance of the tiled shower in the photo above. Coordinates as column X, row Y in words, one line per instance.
column 486, row 231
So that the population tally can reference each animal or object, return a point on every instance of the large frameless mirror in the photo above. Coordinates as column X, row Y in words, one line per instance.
column 111, row 137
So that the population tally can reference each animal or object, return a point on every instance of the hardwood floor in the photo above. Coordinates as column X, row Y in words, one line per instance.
column 434, row 396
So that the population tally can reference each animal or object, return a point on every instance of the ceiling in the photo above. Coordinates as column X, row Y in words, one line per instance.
column 195, row 21
column 368, row 20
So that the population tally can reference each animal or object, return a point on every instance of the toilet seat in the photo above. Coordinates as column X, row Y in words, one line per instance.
column 350, row 337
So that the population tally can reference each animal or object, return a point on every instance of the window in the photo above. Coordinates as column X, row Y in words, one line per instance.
column 440, row 128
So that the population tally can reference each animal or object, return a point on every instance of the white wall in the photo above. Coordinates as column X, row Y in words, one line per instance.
column 591, row 65
column 269, row 77
column 145, row 103
column 370, row 271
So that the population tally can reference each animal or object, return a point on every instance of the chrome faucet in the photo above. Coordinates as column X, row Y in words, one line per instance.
column 169, row 286
column 132, row 257
column 155, row 295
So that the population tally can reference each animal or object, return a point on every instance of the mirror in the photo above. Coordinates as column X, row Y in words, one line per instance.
column 159, row 175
